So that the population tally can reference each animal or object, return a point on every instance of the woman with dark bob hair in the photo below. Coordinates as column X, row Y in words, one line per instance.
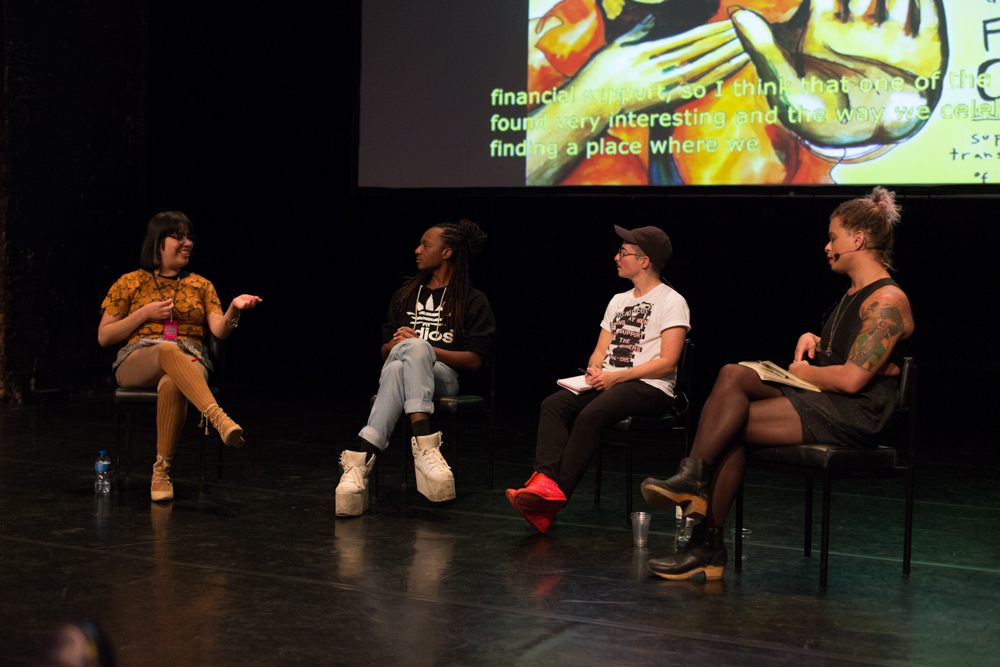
column 162, row 310
column 855, row 362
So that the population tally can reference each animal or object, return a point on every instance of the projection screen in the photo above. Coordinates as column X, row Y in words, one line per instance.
column 679, row 93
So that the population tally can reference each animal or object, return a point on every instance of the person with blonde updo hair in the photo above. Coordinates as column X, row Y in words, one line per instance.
column 855, row 361
column 437, row 325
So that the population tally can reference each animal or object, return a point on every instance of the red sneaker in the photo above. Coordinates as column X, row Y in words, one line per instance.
column 538, row 502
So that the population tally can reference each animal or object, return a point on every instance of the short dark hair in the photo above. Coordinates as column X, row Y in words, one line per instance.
column 161, row 225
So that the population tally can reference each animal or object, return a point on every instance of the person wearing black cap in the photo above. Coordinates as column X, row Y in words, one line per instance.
column 633, row 370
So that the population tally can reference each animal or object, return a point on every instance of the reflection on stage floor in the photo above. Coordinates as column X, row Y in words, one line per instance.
column 257, row 570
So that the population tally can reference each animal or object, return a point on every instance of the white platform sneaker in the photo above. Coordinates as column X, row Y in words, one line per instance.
column 434, row 477
column 352, row 492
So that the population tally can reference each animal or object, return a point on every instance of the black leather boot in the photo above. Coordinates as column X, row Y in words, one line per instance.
column 706, row 553
column 688, row 487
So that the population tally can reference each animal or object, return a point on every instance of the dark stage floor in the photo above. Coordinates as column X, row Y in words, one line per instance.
column 258, row 571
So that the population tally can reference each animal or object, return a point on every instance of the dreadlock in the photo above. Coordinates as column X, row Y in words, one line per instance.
column 464, row 238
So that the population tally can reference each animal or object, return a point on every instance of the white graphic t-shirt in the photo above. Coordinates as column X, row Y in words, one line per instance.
column 635, row 325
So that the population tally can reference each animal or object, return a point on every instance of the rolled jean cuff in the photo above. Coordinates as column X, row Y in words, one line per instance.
column 412, row 405
column 372, row 436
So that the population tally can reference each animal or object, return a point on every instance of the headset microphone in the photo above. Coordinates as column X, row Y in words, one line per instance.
column 837, row 255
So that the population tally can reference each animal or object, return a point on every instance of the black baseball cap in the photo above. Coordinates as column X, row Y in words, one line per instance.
column 652, row 241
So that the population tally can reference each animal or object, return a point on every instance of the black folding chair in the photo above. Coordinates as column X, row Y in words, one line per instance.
column 677, row 418
column 130, row 399
column 830, row 462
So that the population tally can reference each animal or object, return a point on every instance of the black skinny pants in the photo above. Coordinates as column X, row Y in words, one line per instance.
column 569, row 429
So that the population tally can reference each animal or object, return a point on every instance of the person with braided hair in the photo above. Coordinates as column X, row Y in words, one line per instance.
column 855, row 362
column 437, row 326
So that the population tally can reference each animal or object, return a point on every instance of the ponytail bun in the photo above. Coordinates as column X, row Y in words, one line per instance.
column 885, row 202
column 471, row 235
column 876, row 215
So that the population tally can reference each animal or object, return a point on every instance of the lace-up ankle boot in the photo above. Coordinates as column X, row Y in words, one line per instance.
column 434, row 477
column 705, row 552
column 539, row 501
column 352, row 492
column 161, row 488
column 230, row 431
column 689, row 487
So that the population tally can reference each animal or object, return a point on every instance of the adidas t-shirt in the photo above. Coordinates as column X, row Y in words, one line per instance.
column 425, row 314
column 635, row 325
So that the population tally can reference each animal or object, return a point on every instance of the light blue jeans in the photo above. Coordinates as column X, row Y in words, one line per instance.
column 411, row 378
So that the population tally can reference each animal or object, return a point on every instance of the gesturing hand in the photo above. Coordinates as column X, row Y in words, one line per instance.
column 245, row 301
column 851, row 40
column 159, row 310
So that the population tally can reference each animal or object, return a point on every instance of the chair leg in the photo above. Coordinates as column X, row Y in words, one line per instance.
column 597, row 478
column 407, row 454
column 203, row 445
column 453, row 426
column 628, row 479
column 128, row 448
column 738, row 534
column 490, row 435
column 222, row 457
column 375, row 480
column 824, row 554
column 807, row 548
column 908, row 522
column 118, row 444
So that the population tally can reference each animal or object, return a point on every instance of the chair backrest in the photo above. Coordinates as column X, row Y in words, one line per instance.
column 908, row 386
column 684, row 365
column 684, row 374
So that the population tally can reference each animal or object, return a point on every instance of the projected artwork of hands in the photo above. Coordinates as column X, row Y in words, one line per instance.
column 826, row 75
column 844, row 57
column 704, row 55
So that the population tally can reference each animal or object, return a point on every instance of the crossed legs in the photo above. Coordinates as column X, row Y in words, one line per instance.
column 411, row 378
column 741, row 410
column 178, row 378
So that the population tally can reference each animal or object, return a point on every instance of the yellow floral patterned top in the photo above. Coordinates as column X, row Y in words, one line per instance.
column 194, row 298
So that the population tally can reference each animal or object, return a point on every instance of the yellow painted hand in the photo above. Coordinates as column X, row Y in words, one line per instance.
column 882, row 54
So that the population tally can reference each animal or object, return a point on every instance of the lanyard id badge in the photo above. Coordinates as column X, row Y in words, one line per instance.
column 169, row 326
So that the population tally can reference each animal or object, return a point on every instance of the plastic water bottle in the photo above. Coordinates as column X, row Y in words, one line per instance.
column 102, row 473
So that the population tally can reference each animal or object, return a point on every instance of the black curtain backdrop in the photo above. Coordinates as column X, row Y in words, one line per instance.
column 251, row 130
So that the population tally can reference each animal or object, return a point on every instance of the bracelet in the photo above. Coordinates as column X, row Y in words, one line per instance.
column 233, row 323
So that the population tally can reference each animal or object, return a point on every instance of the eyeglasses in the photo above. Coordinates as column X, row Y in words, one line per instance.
column 622, row 254
column 181, row 238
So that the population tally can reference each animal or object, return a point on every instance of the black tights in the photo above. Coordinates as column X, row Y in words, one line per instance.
column 741, row 410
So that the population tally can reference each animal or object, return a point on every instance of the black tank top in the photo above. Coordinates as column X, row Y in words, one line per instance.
column 843, row 326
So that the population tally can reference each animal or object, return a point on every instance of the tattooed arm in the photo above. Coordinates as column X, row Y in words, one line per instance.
column 885, row 320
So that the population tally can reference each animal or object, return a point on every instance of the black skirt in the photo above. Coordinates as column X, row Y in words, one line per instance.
column 856, row 420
